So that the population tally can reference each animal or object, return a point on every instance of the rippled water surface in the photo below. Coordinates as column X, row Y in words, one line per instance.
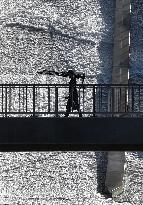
column 62, row 34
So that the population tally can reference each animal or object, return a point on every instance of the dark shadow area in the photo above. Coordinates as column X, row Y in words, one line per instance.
column 136, row 43
column 52, row 30
column 101, row 159
column 28, row 27
column 105, row 48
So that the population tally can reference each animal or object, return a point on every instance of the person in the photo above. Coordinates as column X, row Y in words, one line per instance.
column 72, row 102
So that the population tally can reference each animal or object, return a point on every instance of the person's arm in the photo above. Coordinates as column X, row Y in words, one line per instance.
column 42, row 71
column 64, row 74
column 48, row 72
column 82, row 76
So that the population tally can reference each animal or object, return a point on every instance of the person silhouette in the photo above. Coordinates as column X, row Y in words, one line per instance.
column 72, row 102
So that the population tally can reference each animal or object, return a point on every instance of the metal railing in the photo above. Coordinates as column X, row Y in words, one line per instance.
column 50, row 100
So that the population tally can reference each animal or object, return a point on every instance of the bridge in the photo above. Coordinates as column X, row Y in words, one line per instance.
column 32, row 117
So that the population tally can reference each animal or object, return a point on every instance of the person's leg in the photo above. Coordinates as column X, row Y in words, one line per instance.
column 76, row 103
column 80, row 114
column 68, row 107
column 79, row 111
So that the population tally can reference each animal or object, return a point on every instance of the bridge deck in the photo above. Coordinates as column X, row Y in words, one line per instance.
column 71, row 133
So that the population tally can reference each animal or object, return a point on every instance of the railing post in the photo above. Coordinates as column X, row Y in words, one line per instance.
column 33, row 100
column 2, row 98
column 109, row 100
column 49, row 108
column 113, row 95
column 79, row 97
column 83, row 98
column 93, row 100
column 9, row 98
column 139, row 98
column 5, row 101
column 132, row 93
column 26, row 98
column 56, row 101
column 23, row 98
column 19, row 98
column 126, row 102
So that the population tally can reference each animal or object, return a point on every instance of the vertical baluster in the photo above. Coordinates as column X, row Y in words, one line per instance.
column 139, row 98
column 116, row 103
column 19, row 98
column 99, row 97
column 113, row 96
column 42, row 97
column 5, row 101
column 129, row 98
column 26, row 97
column 23, row 98
column 56, row 101
column 10, row 98
column 33, row 100
column 49, row 99
column 96, row 98
column 125, row 100
column 36, row 99
column 83, row 98
column 2, row 98
column 108, row 99
column 132, row 95
column 79, row 100
column 101, row 89
column 39, row 97
column 94, row 101
column 45, row 99
column 120, row 99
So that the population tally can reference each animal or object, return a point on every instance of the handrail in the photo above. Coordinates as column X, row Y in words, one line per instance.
column 62, row 84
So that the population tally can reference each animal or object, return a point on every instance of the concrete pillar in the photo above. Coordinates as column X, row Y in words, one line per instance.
column 115, row 165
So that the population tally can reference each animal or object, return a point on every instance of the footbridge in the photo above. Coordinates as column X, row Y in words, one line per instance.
column 32, row 116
